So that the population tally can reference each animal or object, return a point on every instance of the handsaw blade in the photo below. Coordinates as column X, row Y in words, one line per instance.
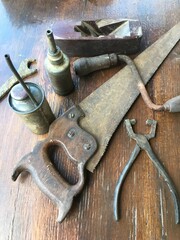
column 106, row 106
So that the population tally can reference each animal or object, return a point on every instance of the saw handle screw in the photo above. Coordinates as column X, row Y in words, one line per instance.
column 71, row 115
column 87, row 146
column 71, row 133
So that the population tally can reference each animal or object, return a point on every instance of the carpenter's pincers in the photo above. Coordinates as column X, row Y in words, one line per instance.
column 143, row 144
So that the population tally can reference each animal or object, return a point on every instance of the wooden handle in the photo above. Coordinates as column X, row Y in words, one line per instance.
column 79, row 146
column 84, row 66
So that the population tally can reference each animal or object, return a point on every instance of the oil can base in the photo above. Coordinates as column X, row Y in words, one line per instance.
column 63, row 93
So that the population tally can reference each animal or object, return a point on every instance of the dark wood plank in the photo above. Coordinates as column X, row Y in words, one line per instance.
column 147, row 207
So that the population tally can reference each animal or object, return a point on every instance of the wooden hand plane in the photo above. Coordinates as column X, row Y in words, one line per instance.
column 95, row 37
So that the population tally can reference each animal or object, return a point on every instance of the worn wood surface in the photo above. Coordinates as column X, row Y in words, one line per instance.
column 147, row 207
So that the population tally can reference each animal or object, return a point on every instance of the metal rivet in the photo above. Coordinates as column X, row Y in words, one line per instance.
column 71, row 115
column 87, row 146
column 133, row 121
column 71, row 133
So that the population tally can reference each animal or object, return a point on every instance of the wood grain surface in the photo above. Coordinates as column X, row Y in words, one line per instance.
column 146, row 203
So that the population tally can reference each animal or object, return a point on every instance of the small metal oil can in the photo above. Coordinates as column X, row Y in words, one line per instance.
column 57, row 66
column 37, row 118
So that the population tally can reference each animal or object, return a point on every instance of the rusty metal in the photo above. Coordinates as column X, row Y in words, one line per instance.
column 96, row 37
column 29, row 102
column 58, row 67
column 103, row 109
column 79, row 146
column 142, row 143
column 24, row 71
column 110, row 102
column 84, row 66
column 172, row 105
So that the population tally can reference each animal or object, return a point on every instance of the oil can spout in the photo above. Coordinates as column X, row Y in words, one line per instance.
column 16, row 74
column 51, row 42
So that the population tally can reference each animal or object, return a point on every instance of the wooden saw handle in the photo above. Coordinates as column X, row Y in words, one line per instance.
column 79, row 146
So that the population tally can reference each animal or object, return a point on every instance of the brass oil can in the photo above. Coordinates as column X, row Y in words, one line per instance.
column 57, row 66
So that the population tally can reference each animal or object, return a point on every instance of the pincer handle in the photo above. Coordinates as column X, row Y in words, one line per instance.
column 79, row 146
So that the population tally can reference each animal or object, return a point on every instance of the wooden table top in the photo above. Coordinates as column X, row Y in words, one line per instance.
column 146, row 203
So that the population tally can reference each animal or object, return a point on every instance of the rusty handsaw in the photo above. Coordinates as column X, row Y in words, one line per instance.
column 85, row 130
